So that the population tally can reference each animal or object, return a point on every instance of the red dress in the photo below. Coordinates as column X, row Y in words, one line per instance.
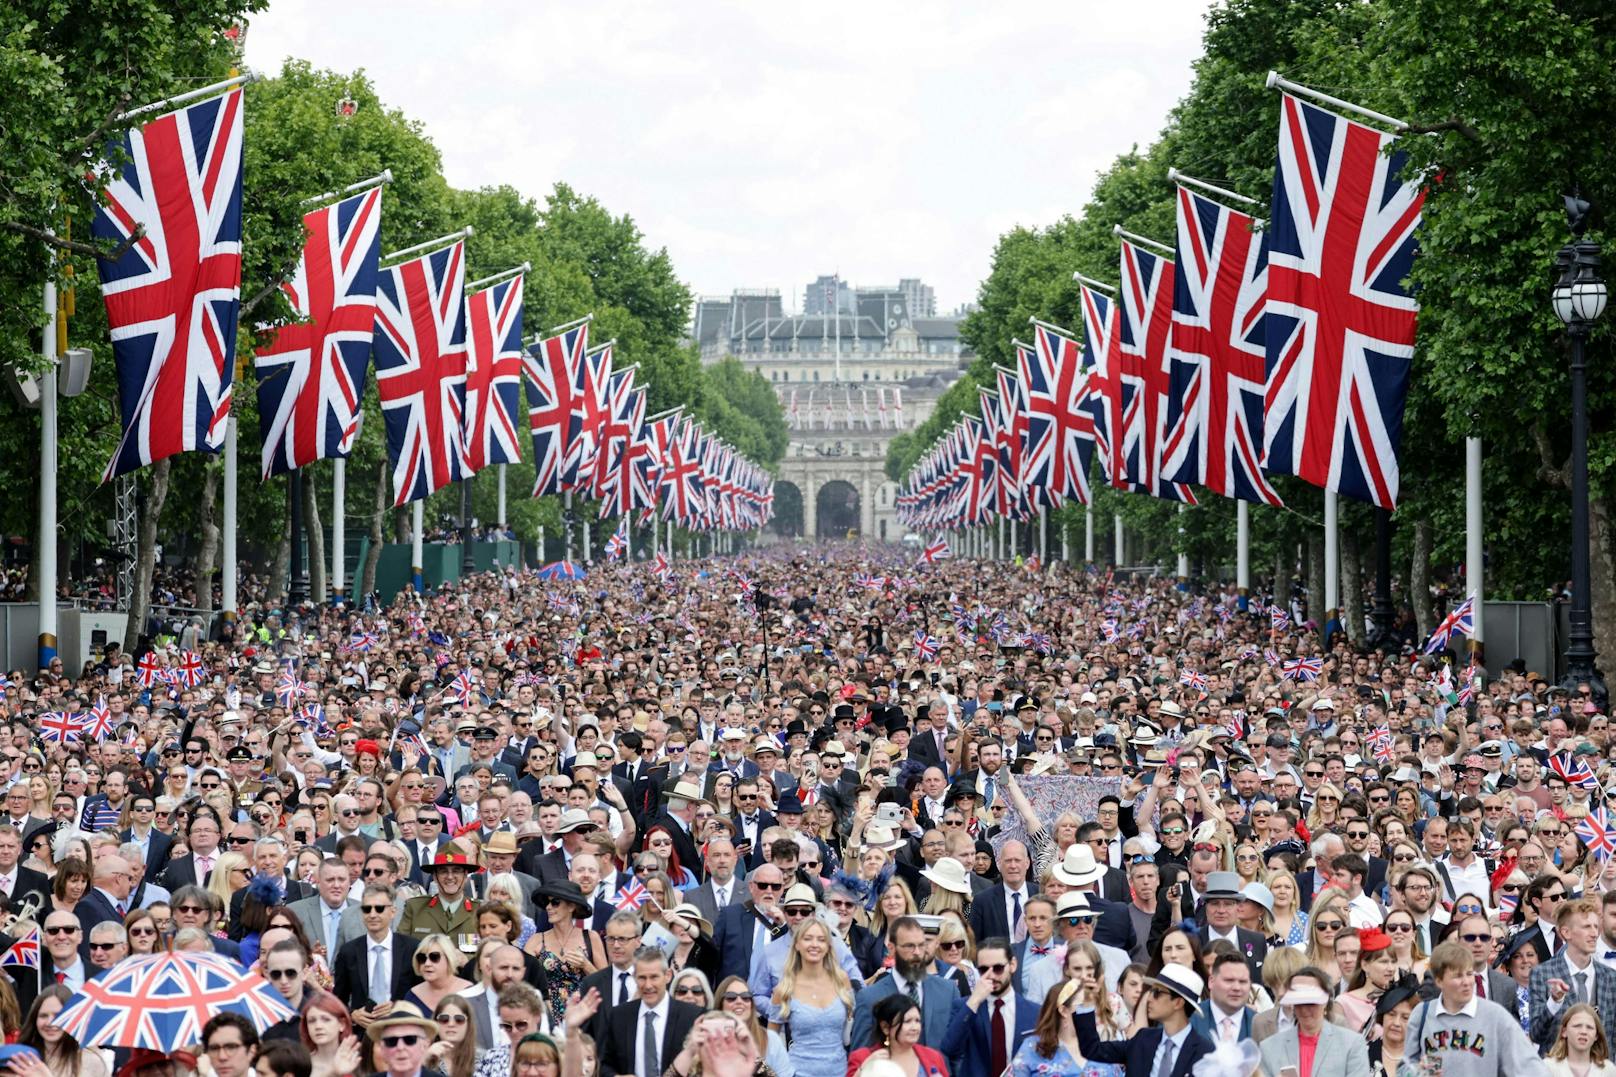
column 932, row 1063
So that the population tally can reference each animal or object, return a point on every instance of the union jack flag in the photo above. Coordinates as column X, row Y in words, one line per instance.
column 189, row 672
column 591, row 381
column 631, row 895
column 1380, row 743
column 311, row 376
column 1039, row 641
column 24, row 953
column 313, row 716
column 618, row 542
column 1105, row 392
column 493, row 374
column 463, row 688
column 363, row 641
column 1191, row 679
column 1573, row 770
column 1236, row 725
column 936, row 551
column 1278, row 619
column 660, row 566
column 1215, row 400
column 97, row 721
column 60, row 727
column 150, row 669
column 1137, row 374
column 550, row 368
column 175, row 294
column 421, row 370
column 1340, row 332
column 1598, row 832
column 1271, row 656
column 1302, row 669
column 926, row 646
column 288, row 689
column 1462, row 620
column 1060, row 428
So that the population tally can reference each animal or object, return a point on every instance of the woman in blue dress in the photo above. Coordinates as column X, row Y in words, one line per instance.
column 814, row 1002
column 1051, row 1050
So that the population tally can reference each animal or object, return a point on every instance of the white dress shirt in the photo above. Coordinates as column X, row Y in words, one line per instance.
column 659, row 1029
column 382, row 948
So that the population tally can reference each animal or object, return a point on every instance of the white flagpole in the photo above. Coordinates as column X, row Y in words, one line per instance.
column 227, row 569
column 47, row 478
column 1475, row 555
column 1088, row 533
column 1275, row 81
column 1043, row 537
column 1183, row 557
column 1242, row 557
column 566, row 526
column 1332, row 556
column 192, row 95
column 417, row 540
column 339, row 525
column 501, row 472
column 1119, row 553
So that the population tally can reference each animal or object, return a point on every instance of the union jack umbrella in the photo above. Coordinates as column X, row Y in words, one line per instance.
column 1573, row 770
column 150, row 669
column 631, row 895
column 420, row 352
column 936, row 551
column 1340, row 323
column 1302, row 669
column 1462, row 621
column 1598, row 832
column 189, row 672
column 493, row 374
column 926, row 646
column 1215, row 398
column 549, row 370
column 161, row 1001
column 311, row 376
column 97, row 722
column 174, row 295
column 24, row 953
column 60, row 727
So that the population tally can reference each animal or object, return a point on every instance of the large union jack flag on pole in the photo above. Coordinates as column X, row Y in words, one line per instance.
column 421, row 370
column 550, row 368
column 1098, row 324
column 1138, row 374
column 493, row 374
column 174, row 295
column 311, row 376
column 1215, row 401
column 1340, row 327
column 1057, row 393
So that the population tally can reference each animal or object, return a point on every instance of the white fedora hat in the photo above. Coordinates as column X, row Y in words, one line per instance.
column 949, row 874
column 1078, row 867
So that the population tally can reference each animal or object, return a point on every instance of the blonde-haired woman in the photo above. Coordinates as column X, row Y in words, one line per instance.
column 437, row 962
column 1326, row 813
column 813, row 1002
column 1290, row 922
column 1327, row 919
column 950, row 887
column 231, row 872
column 894, row 901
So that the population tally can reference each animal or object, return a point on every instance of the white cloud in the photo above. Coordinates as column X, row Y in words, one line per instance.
column 764, row 143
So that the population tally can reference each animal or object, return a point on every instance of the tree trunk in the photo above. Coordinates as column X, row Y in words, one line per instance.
column 1315, row 578
column 146, row 554
column 401, row 520
column 1603, row 565
column 373, row 556
column 314, row 537
column 281, row 569
column 207, row 553
column 1352, row 604
column 1419, row 578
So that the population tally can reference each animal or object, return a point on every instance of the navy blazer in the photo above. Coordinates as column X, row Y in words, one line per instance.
column 1115, row 925
column 1202, row 1021
column 968, row 1043
column 92, row 909
column 1138, row 1053
column 157, row 849
column 989, row 918
column 734, row 934
column 937, row 998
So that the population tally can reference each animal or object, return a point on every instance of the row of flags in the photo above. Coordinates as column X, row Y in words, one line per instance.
column 450, row 359
column 1247, row 349
column 884, row 417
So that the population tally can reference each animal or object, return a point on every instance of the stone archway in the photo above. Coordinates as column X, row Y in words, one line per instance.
column 837, row 510
column 787, row 521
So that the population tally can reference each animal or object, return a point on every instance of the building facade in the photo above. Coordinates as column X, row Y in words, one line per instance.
column 858, row 367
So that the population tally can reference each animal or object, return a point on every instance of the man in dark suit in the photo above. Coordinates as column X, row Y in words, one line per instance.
column 102, row 902
column 379, row 967
column 722, row 881
column 750, row 822
column 269, row 860
column 740, row 924
column 909, row 966
column 1172, row 997
column 194, row 867
column 1224, row 1016
column 994, row 910
column 634, row 1045
column 982, row 1036
column 555, row 865
column 142, row 809
column 1114, row 885
column 1219, row 920
column 17, row 883
column 1572, row 976
column 615, row 981
column 677, row 817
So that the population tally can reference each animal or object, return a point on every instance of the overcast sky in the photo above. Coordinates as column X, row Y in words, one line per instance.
column 765, row 143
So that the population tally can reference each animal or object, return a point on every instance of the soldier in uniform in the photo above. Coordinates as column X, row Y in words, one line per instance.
column 449, row 911
column 245, row 774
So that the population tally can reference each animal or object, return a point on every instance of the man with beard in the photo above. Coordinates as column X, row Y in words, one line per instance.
column 912, row 961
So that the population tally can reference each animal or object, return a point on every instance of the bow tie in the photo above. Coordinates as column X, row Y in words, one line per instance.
column 1039, row 950
column 1610, row 955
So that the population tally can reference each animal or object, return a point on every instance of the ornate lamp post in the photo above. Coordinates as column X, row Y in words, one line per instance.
column 1579, row 300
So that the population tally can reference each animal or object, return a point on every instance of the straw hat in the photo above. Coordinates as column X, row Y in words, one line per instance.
column 949, row 874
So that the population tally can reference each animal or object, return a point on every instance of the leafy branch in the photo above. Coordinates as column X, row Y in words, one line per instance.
column 93, row 250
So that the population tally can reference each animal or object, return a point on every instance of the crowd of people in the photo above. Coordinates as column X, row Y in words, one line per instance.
column 819, row 811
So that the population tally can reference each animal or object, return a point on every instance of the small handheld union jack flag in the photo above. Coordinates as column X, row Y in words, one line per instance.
column 150, row 669
column 1467, row 683
column 288, row 690
column 631, row 895
column 1462, row 621
column 1278, row 618
column 1573, row 770
column 189, row 672
column 926, row 646
column 24, row 953
column 1236, row 725
column 97, row 723
column 937, row 551
column 660, row 566
column 1191, row 679
column 313, row 716
column 362, row 641
column 1380, row 743
column 60, row 727
column 462, row 687
column 618, row 542
column 1302, row 669
column 1598, row 833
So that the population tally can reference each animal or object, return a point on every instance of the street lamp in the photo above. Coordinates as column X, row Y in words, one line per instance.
column 1579, row 300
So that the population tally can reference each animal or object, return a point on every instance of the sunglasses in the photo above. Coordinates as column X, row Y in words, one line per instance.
column 1471, row 936
column 281, row 974
column 375, row 908
column 451, row 1018
column 1329, row 925
column 736, row 996
column 997, row 969
column 1398, row 929
column 400, row 1041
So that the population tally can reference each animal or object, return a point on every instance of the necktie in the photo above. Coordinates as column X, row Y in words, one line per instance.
column 1168, row 1049
column 6, row 884
column 61, row 977
column 1610, row 955
column 723, row 897
column 622, row 988
column 987, row 793
column 1018, row 927
column 331, row 919
column 1481, row 986
column 1581, row 979
column 652, row 1063
column 204, row 864
column 910, row 989
column 378, row 973
column 1228, row 1030
column 998, row 1059
column 1425, row 940
column 119, row 909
